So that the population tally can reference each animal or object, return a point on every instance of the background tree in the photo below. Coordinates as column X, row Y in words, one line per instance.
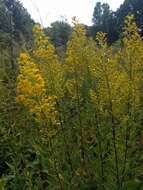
column 104, row 20
column 112, row 22
column 134, row 7
column 59, row 33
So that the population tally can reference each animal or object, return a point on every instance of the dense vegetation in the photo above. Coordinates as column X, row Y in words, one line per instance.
column 71, row 107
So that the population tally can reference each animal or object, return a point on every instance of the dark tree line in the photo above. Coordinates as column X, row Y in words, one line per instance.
column 110, row 22
column 16, row 23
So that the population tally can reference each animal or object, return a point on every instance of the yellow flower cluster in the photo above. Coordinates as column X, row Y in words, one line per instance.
column 51, row 68
column 31, row 90
column 75, row 63
column 30, row 81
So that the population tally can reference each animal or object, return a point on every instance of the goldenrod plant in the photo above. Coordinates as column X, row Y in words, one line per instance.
column 77, row 122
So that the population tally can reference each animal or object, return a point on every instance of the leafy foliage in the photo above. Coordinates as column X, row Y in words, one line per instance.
column 75, row 123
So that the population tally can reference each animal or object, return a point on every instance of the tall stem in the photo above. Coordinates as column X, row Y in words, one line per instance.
column 100, row 149
column 65, row 143
column 80, row 120
column 131, row 104
column 113, row 128
column 55, row 166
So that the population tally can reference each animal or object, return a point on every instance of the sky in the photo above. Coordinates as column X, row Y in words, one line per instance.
column 48, row 11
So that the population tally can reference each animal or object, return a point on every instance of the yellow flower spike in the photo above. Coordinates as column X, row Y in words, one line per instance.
column 51, row 69
column 75, row 63
column 31, row 91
